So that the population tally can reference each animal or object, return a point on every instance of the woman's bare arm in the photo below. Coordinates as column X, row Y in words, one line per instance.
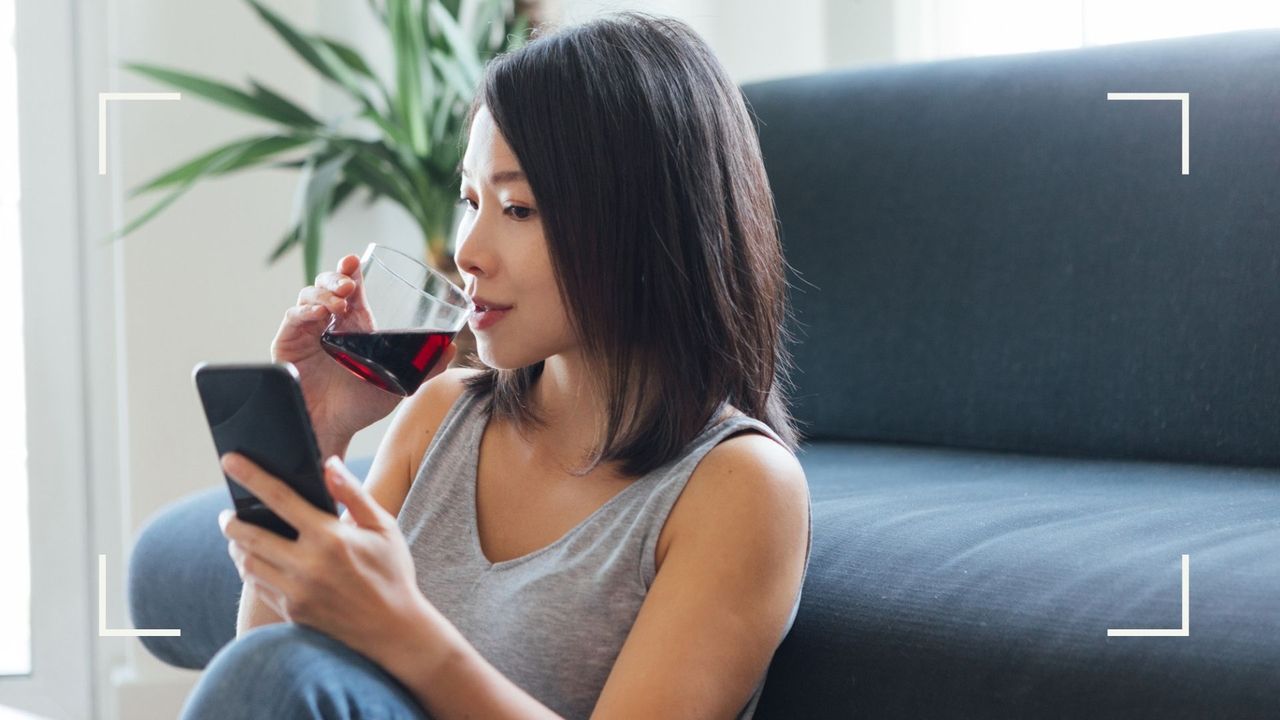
column 717, row 608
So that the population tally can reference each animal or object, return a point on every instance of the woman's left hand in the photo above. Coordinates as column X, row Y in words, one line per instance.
column 352, row 579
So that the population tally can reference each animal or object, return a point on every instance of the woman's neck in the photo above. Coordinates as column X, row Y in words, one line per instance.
column 575, row 419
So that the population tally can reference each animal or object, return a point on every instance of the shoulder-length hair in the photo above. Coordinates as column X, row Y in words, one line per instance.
column 647, row 172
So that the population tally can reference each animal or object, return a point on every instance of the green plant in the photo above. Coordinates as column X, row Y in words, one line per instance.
column 410, row 148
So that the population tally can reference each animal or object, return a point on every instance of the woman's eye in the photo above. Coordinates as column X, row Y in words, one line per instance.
column 516, row 211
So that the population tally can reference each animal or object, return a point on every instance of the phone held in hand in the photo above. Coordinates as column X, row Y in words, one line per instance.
column 258, row 410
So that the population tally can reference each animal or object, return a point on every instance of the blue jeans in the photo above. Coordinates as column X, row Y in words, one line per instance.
column 286, row 671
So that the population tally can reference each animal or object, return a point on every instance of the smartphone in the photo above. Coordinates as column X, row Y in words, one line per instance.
column 258, row 410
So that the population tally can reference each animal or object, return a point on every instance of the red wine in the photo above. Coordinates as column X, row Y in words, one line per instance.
column 396, row 361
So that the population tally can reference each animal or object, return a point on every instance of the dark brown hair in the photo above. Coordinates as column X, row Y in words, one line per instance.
column 646, row 169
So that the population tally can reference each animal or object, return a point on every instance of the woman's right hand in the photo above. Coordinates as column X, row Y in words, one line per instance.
column 340, row 403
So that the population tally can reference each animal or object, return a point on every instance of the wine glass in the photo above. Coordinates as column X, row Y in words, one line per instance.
column 398, row 322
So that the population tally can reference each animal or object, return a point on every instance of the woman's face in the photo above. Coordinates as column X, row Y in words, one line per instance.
column 503, row 257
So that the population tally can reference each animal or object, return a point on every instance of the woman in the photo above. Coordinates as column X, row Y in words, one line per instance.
column 585, row 525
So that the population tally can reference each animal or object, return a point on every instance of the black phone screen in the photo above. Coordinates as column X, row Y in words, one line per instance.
column 259, row 412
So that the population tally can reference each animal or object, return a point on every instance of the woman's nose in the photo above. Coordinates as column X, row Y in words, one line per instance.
column 467, row 254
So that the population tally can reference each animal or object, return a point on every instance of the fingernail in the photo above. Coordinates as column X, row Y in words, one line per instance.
column 339, row 472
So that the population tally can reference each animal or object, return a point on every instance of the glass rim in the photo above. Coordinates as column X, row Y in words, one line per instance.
column 369, row 257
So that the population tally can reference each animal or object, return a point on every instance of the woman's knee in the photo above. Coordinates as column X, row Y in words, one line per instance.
column 286, row 671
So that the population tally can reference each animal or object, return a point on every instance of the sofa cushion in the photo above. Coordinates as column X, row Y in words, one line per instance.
column 955, row 583
column 990, row 254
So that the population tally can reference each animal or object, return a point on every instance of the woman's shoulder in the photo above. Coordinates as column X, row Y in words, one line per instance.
column 451, row 383
column 429, row 406
column 412, row 430
column 749, row 464
column 745, row 479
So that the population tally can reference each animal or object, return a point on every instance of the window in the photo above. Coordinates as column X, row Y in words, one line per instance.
column 15, row 567
column 938, row 29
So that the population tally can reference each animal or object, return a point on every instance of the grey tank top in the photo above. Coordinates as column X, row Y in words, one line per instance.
column 552, row 621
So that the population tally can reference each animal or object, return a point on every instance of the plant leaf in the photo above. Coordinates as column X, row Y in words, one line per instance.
column 443, row 114
column 316, row 53
column 333, row 60
column 290, row 239
column 287, row 164
column 344, row 75
column 218, row 92
column 247, row 152
column 283, row 105
column 392, row 132
column 462, row 48
column 309, row 167
column 471, row 13
column 318, row 198
column 371, row 172
column 407, row 44
column 312, row 239
column 450, row 5
column 295, row 39
column 326, row 177
column 426, row 73
column 348, row 56
column 212, row 168
column 340, row 194
column 452, row 73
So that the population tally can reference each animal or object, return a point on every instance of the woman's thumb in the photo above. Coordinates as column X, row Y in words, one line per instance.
column 346, row 489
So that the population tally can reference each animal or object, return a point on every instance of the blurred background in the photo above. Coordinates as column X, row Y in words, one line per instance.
column 101, row 426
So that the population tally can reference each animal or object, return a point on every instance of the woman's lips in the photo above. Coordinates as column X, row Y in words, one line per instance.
column 481, row 320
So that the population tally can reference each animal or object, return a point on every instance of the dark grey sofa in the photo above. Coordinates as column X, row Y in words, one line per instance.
column 1039, row 365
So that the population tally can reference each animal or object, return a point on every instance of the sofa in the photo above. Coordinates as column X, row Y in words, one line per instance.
column 1038, row 366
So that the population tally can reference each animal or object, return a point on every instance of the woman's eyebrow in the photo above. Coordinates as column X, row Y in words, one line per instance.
column 498, row 178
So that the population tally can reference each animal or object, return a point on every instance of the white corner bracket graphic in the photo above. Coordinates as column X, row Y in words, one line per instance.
column 103, row 630
column 1183, row 631
column 1186, row 117
column 103, row 99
